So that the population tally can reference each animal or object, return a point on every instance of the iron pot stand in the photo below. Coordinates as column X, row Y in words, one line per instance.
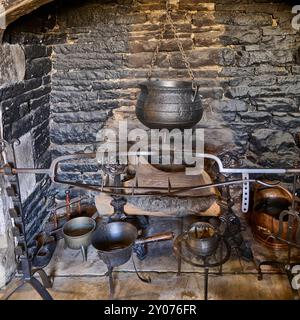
column 183, row 252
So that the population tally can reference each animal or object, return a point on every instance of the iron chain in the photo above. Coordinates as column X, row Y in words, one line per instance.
column 156, row 51
column 169, row 20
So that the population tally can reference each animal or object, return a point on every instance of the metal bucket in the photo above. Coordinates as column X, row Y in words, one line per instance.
column 78, row 233
column 169, row 104
column 202, row 238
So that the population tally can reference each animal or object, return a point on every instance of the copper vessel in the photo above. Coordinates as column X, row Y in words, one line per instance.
column 268, row 204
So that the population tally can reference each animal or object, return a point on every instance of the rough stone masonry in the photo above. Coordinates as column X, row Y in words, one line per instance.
column 24, row 115
column 245, row 57
column 85, row 59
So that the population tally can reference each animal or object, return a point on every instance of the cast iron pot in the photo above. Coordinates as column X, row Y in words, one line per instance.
column 202, row 238
column 114, row 242
column 78, row 233
column 169, row 104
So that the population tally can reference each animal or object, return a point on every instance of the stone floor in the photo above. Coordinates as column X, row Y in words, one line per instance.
column 75, row 279
column 167, row 286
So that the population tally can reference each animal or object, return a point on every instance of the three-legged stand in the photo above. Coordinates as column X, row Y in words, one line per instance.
column 217, row 259
column 28, row 277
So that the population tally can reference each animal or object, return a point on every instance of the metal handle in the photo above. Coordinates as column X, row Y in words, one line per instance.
column 158, row 237
column 195, row 89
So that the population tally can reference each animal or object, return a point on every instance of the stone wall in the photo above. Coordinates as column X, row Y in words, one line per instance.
column 85, row 59
column 25, row 104
column 24, row 115
column 245, row 57
column 12, row 64
column 7, row 257
column 89, row 57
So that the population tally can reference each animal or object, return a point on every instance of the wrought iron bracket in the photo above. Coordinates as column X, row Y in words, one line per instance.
column 246, row 193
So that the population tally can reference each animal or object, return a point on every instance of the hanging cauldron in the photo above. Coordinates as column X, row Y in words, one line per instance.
column 169, row 104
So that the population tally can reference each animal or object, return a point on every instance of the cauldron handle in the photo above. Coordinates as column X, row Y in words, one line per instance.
column 195, row 90
column 143, row 87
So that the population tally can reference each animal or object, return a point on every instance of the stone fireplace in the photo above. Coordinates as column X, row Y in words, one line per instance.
column 71, row 68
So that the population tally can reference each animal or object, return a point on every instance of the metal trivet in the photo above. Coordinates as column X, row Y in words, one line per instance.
column 183, row 252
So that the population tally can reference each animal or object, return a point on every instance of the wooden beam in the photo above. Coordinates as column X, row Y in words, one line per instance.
column 14, row 9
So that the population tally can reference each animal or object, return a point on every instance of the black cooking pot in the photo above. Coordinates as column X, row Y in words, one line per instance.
column 114, row 242
column 169, row 104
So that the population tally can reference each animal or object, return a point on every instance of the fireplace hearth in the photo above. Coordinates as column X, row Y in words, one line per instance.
column 72, row 70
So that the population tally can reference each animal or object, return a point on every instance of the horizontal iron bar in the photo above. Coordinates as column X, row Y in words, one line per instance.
column 54, row 165
column 173, row 192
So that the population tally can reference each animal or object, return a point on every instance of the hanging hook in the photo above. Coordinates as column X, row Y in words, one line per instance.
column 15, row 142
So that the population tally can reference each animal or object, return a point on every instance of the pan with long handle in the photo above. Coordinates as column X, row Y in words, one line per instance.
column 115, row 241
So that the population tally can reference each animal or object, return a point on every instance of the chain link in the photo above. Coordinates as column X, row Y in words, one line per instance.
column 156, row 51
column 187, row 64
